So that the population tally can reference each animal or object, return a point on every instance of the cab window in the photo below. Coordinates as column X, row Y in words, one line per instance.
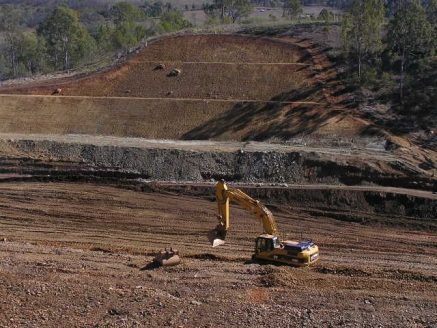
column 276, row 243
column 264, row 245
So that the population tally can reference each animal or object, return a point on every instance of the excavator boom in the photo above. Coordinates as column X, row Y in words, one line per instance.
column 225, row 194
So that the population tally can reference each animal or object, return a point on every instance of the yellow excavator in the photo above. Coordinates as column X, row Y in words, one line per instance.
column 268, row 247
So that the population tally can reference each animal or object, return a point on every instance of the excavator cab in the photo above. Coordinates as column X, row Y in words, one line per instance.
column 269, row 248
column 266, row 243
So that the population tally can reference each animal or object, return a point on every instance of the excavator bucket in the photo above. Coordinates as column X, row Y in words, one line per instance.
column 217, row 236
column 167, row 258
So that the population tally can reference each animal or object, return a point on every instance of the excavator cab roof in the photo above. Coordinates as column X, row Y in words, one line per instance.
column 267, row 236
column 274, row 239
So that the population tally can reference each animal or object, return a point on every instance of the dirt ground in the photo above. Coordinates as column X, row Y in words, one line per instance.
column 78, row 255
column 230, row 86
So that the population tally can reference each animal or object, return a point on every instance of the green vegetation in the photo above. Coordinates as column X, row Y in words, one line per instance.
column 362, row 31
column 127, row 31
column 292, row 9
column 52, row 36
column 410, row 37
column 392, row 60
column 400, row 67
column 67, row 41
column 227, row 11
column 172, row 20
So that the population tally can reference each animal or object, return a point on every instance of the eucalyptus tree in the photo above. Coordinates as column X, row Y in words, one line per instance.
column 67, row 40
column 291, row 9
column 10, row 50
column 237, row 9
column 9, row 18
column 127, row 19
column 10, row 28
column 33, row 53
column 155, row 9
column 228, row 10
column 431, row 11
column 173, row 20
column 409, row 35
column 362, row 31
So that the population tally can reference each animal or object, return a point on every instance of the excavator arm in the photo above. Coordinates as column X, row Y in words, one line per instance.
column 224, row 195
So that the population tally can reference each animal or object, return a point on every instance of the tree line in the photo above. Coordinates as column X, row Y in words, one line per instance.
column 67, row 38
column 383, row 39
column 393, row 48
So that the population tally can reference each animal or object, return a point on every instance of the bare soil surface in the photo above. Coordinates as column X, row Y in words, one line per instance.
column 229, row 87
column 79, row 254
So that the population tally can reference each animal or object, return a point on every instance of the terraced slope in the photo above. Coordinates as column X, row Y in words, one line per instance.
column 230, row 88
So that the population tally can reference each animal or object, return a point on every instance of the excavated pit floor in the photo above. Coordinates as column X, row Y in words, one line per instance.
column 78, row 254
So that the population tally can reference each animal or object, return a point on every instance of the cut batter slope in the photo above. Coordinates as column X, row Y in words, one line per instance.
column 229, row 88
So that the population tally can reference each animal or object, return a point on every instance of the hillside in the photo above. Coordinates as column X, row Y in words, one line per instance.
column 230, row 88
column 117, row 165
column 217, row 96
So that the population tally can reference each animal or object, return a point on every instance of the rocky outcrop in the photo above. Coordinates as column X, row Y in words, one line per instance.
column 273, row 166
column 316, row 181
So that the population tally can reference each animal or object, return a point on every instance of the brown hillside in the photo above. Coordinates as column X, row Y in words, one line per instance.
column 230, row 88
column 83, row 216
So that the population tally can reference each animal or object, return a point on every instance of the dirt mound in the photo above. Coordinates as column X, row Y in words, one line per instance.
column 275, row 276
column 229, row 88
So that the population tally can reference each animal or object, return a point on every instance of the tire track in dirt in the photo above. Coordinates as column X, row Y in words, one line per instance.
column 149, row 221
